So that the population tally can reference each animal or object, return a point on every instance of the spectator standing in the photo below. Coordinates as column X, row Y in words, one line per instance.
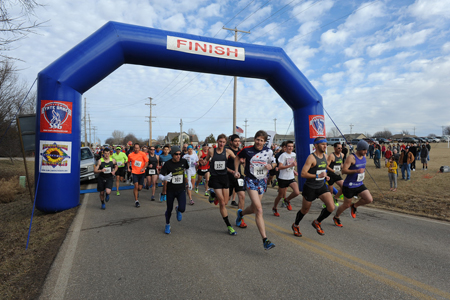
column 383, row 150
column 371, row 149
column 428, row 146
column 406, row 158
column 392, row 173
column 387, row 155
column 344, row 150
column 413, row 150
column 423, row 157
column 377, row 156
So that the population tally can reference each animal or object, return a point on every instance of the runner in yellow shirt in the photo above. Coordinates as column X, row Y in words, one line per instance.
column 121, row 160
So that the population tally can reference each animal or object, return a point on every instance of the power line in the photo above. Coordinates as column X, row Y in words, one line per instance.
column 234, row 17
column 252, row 13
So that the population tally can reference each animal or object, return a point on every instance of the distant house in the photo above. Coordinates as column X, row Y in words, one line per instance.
column 352, row 136
column 401, row 135
column 171, row 136
column 279, row 138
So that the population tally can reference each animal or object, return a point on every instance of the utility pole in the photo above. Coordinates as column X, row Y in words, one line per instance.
column 94, row 128
column 150, row 120
column 85, row 135
column 90, row 141
column 275, row 120
column 235, row 78
column 351, row 126
column 414, row 130
column 245, row 132
column 181, row 133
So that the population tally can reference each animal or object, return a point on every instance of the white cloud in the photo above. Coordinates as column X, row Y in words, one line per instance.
column 446, row 47
column 174, row 23
column 428, row 9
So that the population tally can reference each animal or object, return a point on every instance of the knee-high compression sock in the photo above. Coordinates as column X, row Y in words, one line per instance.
column 323, row 215
column 226, row 221
column 299, row 217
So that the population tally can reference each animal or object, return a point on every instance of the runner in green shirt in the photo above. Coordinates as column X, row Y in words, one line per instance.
column 121, row 160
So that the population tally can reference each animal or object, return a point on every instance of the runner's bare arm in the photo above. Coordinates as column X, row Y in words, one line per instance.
column 237, row 161
column 347, row 164
column 96, row 170
column 330, row 159
column 310, row 162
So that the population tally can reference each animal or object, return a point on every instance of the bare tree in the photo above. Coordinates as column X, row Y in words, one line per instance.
column 431, row 135
column 118, row 136
column 334, row 132
column 130, row 137
column 15, row 28
column 383, row 134
column 405, row 132
column 110, row 141
column 160, row 139
column 191, row 131
column 446, row 130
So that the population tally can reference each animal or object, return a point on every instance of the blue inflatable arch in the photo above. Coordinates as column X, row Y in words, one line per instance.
column 61, row 85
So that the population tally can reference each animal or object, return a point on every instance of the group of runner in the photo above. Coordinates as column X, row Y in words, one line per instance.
column 220, row 170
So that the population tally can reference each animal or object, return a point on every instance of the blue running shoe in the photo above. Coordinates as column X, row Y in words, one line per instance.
column 161, row 197
column 167, row 229
column 179, row 216
column 268, row 245
column 107, row 198
column 239, row 217
column 165, row 197
column 103, row 206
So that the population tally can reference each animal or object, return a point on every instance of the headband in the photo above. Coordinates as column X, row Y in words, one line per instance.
column 320, row 141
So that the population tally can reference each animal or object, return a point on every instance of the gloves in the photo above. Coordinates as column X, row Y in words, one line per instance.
column 168, row 177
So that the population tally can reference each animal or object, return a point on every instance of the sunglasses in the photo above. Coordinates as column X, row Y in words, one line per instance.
column 178, row 153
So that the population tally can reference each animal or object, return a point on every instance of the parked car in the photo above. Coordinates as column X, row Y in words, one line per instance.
column 422, row 140
column 434, row 140
column 87, row 163
column 445, row 138
column 331, row 141
column 355, row 141
column 409, row 140
column 383, row 141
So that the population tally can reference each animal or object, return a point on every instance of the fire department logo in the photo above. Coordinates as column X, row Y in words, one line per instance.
column 316, row 126
column 56, row 116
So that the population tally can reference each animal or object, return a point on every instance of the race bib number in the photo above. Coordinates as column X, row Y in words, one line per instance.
column 360, row 177
column 337, row 169
column 151, row 172
column 260, row 172
column 219, row 165
column 318, row 174
column 107, row 170
column 178, row 179
column 240, row 182
column 138, row 163
column 119, row 163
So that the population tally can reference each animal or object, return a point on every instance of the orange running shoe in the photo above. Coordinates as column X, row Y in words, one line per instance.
column 337, row 222
column 353, row 211
column 243, row 225
column 316, row 225
column 275, row 212
column 288, row 205
column 296, row 230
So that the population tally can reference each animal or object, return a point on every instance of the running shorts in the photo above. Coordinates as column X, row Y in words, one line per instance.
column 284, row 183
column 236, row 184
column 193, row 176
column 218, row 182
column 104, row 183
column 139, row 178
column 333, row 178
column 274, row 172
column 259, row 185
column 202, row 172
column 352, row 192
column 121, row 172
column 153, row 171
column 311, row 194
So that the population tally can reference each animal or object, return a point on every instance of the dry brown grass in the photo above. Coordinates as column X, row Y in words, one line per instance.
column 10, row 189
column 22, row 272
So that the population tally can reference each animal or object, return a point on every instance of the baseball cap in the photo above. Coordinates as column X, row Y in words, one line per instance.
column 118, row 148
column 190, row 147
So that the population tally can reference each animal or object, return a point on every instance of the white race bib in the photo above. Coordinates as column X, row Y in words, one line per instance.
column 178, row 179
column 138, row 163
column 318, row 172
column 360, row 177
column 337, row 170
column 151, row 172
column 107, row 170
column 119, row 163
column 219, row 165
column 240, row 182
column 260, row 172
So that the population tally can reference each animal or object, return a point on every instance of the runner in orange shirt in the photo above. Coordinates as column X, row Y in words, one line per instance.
column 137, row 163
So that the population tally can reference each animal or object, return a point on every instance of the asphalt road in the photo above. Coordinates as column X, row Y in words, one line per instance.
column 123, row 253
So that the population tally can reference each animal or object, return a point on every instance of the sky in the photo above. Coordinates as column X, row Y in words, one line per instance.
column 377, row 64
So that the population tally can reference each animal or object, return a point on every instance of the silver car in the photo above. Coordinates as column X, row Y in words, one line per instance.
column 87, row 163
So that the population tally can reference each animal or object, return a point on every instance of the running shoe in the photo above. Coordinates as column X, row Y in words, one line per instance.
column 103, row 206
column 353, row 211
column 336, row 202
column 274, row 182
column 296, row 230
column 233, row 203
column 107, row 198
column 167, row 229
column 147, row 187
column 337, row 222
column 283, row 204
column 239, row 217
column 243, row 225
column 216, row 201
column 324, row 205
column 268, row 245
column 210, row 199
column 165, row 197
column 118, row 194
column 275, row 212
column 288, row 205
column 231, row 231
column 206, row 193
column 136, row 203
column 161, row 197
column 316, row 225
column 191, row 202
column 179, row 216
column 196, row 190
column 153, row 198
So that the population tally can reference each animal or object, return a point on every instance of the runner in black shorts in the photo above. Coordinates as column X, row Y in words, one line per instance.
column 219, row 177
column 203, row 169
column 354, row 167
column 106, row 168
column 335, row 162
column 315, row 172
column 236, row 184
